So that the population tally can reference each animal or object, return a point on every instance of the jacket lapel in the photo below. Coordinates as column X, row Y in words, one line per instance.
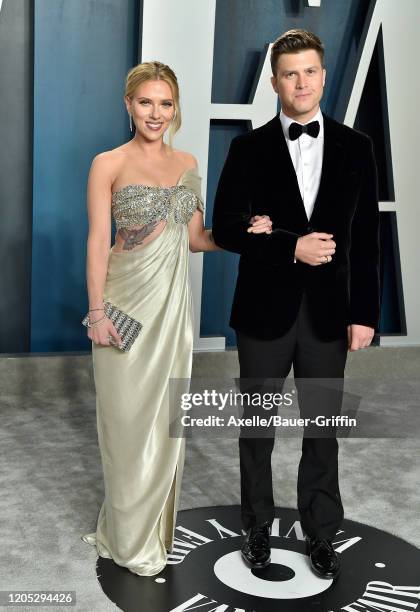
column 332, row 164
column 285, row 184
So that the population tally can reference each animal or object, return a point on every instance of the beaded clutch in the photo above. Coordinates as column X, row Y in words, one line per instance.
column 127, row 327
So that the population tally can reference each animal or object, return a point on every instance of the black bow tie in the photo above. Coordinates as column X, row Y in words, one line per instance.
column 295, row 129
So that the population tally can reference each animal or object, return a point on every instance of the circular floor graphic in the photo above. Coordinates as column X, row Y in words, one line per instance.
column 205, row 573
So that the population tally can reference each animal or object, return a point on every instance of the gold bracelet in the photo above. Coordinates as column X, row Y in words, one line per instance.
column 95, row 323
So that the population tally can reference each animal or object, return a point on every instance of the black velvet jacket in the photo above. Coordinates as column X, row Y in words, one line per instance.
column 259, row 178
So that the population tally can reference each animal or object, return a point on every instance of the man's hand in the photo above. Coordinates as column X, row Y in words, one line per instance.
column 260, row 224
column 315, row 249
column 359, row 336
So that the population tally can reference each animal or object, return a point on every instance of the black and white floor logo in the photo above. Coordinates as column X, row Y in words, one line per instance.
column 205, row 572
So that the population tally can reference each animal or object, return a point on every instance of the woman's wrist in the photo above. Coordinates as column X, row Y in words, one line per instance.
column 95, row 322
column 96, row 305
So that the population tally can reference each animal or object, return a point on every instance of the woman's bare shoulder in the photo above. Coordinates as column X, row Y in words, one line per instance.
column 188, row 160
column 109, row 162
column 113, row 156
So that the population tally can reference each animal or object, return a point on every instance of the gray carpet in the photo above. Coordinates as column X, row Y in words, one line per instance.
column 51, row 479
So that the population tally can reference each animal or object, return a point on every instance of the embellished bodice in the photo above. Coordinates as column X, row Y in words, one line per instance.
column 135, row 205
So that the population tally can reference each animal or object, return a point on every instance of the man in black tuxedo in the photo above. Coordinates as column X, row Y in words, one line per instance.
column 309, row 291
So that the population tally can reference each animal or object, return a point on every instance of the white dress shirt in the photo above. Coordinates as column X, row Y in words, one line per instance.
column 306, row 153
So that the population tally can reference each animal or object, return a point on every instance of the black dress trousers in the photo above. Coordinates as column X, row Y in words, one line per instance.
column 319, row 500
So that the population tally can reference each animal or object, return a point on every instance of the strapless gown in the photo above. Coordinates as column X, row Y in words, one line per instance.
column 142, row 464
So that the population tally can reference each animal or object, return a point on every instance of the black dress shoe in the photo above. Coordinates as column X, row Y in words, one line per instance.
column 324, row 560
column 256, row 549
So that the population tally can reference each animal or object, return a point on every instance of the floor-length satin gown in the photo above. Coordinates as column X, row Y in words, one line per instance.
column 142, row 464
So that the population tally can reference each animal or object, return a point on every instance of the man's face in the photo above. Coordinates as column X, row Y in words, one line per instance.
column 299, row 83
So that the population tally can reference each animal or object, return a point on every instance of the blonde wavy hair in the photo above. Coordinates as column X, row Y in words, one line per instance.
column 155, row 71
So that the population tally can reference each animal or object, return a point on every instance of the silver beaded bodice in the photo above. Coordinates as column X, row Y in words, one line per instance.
column 140, row 204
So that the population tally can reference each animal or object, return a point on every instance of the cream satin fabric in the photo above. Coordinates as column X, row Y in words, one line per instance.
column 142, row 465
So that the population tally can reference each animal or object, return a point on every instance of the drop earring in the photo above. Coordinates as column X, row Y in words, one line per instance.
column 131, row 123
column 174, row 116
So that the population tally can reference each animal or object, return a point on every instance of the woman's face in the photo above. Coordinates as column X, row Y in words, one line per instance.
column 152, row 108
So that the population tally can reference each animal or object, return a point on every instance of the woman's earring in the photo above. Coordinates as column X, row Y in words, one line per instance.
column 131, row 124
column 174, row 116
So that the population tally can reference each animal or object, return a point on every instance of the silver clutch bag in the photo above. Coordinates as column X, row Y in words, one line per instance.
column 127, row 327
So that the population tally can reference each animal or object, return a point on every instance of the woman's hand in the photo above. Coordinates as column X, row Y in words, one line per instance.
column 104, row 333
column 260, row 224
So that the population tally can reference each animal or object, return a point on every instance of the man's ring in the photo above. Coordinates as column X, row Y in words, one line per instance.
column 326, row 258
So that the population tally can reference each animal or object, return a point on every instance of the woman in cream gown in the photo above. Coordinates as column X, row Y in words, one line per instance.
column 145, row 274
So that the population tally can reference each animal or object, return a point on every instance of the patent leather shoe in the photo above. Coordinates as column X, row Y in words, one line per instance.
column 324, row 560
column 256, row 549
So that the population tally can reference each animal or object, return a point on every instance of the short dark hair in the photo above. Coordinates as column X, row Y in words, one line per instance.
column 294, row 41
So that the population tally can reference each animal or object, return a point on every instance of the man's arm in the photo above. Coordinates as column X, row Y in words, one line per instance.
column 232, row 214
column 364, row 258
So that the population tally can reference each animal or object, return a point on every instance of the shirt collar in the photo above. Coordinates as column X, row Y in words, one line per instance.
column 286, row 121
